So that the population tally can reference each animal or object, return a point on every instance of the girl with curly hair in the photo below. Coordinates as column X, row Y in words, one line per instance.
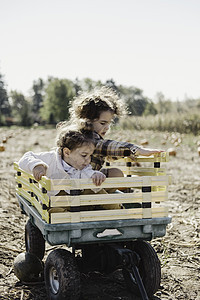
column 96, row 110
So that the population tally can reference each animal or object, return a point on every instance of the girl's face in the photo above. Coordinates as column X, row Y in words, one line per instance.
column 102, row 124
column 80, row 157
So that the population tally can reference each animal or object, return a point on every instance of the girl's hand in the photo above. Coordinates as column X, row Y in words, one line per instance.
column 98, row 178
column 147, row 152
column 39, row 171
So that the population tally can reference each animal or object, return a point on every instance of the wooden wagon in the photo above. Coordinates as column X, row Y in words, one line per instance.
column 105, row 239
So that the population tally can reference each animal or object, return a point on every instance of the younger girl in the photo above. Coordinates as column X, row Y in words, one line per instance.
column 70, row 160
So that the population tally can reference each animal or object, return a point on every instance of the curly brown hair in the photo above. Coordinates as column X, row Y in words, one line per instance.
column 89, row 105
column 73, row 139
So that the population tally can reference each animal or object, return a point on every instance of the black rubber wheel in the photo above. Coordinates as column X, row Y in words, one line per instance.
column 149, row 269
column 62, row 277
column 34, row 241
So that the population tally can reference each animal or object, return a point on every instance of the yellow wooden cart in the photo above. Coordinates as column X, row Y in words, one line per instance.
column 101, row 239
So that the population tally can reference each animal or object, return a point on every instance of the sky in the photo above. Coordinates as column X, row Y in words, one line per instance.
column 153, row 45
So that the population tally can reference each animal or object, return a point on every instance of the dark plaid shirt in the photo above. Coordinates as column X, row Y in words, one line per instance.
column 110, row 149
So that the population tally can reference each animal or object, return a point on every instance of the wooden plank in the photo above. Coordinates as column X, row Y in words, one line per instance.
column 95, row 199
column 105, row 215
column 24, row 181
column 32, row 187
column 159, row 157
column 44, row 213
column 44, row 198
column 24, row 174
column 100, row 215
column 57, row 201
column 147, row 213
column 144, row 173
column 146, row 197
column 45, row 182
column 100, row 199
column 72, row 184
column 159, row 196
column 159, row 212
column 140, row 171
column 24, row 194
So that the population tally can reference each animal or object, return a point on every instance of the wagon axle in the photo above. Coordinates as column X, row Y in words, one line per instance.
column 110, row 257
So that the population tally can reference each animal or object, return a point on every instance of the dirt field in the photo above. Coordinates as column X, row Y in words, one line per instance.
column 179, row 250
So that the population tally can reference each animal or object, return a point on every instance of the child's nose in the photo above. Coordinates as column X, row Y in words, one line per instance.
column 88, row 159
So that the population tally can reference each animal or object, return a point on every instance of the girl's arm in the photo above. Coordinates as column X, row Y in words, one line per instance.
column 119, row 149
column 30, row 160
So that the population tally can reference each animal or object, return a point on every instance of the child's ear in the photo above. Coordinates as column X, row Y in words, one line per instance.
column 66, row 151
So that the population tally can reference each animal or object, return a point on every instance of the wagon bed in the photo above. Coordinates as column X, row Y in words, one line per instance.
column 145, row 215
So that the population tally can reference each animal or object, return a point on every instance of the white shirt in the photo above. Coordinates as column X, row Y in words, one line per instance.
column 57, row 168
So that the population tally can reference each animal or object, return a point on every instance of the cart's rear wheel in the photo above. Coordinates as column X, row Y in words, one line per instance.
column 34, row 240
column 62, row 277
column 149, row 269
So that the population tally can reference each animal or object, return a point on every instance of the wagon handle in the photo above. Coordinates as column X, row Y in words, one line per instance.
column 110, row 233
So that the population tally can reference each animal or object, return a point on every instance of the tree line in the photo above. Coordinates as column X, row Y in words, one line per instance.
column 49, row 101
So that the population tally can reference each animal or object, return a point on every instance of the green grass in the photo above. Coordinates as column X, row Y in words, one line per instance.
column 182, row 123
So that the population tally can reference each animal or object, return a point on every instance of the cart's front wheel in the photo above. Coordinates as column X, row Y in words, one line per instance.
column 62, row 277
column 34, row 240
column 149, row 269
